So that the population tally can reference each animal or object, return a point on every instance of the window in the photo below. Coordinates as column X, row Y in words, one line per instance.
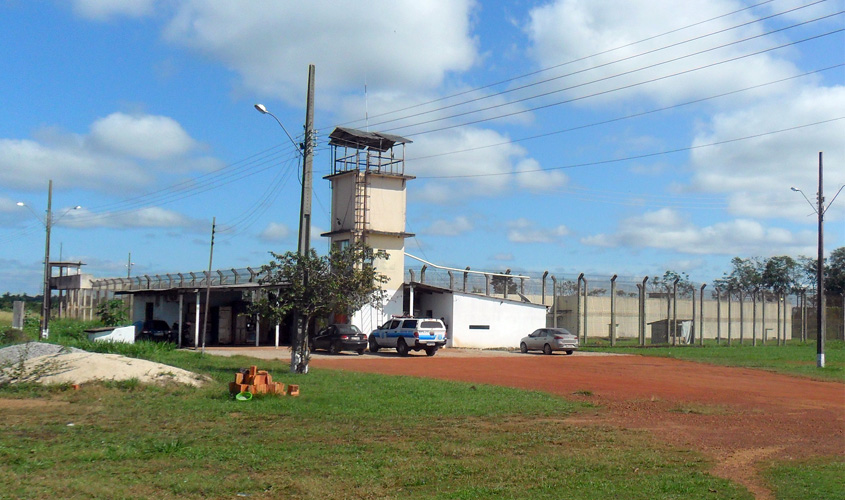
column 480, row 327
column 409, row 323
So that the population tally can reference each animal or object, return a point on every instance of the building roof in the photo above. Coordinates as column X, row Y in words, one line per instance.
column 359, row 139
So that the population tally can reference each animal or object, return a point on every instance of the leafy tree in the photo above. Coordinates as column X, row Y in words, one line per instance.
column 500, row 282
column 834, row 280
column 113, row 312
column 597, row 292
column 566, row 287
column 744, row 278
column 781, row 274
column 343, row 282
column 666, row 283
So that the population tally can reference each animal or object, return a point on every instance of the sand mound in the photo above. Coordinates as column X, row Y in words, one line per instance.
column 82, row 367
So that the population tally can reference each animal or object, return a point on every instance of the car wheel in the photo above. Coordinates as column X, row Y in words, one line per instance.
column 523, row 348
column 334, row 348
column 430, row 351
column 373, row 345
column 569, row 352
column 402, row 347
column 547, row 349
column 360, row 351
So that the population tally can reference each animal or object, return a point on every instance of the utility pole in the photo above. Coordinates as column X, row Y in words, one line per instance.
column 208, row 285
column 48, row 270
column 820, row 274
column 129, row 266
column 299, row 352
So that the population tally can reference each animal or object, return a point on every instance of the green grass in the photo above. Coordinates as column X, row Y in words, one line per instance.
column 5, row 319
column 794, row 358
column 815, row 479
column 349, row 435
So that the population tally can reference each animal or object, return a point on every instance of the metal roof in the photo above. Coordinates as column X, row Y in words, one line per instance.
column 359, row 139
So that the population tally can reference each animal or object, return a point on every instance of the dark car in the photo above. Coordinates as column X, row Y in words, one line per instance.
column 339, row 337
column 157, row 330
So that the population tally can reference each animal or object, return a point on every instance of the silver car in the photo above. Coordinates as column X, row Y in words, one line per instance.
column 548, row 340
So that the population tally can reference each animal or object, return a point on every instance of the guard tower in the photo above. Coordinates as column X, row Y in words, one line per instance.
column 368, row 199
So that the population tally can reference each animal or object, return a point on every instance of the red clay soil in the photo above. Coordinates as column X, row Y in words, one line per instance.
column 738, row 417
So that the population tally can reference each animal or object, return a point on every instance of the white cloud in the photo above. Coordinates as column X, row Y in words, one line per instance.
column 455, row 227
column 535, row 179
column 526, row 231
column 566, row 30
column 667, row 229
column 121, row 152
column 276, row 231
column 103, row 10
column 141, row 136
column 150, row 217
column 387, row 42
column 757, row 173
column 478, row 171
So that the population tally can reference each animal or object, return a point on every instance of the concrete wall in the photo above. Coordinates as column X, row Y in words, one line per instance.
column 386, row 203
column 507, row 322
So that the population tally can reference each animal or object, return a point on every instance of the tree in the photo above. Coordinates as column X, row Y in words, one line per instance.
column 834, row 280
column 113, row 312
column 667, row 282
column 744, row 278
column 500, row 282
column 781, row 274
column 341, row 282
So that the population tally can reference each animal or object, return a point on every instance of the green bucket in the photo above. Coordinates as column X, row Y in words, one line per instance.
column 243, row 396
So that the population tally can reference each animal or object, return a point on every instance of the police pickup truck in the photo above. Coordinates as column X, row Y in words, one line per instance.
column 404, row 334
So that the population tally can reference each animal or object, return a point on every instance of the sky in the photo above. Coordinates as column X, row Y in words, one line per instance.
column 597, row 136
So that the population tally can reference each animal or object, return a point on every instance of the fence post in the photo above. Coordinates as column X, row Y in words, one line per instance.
column 451, row 280
column 741, row 317
column 613, row 311
column 729, row 316
column 780, row 314
column 466, row 274
column 543, row 288
column 763, row 319
column 554, row 300
column 578, row 307
column 718, row 316
column 675, row 311
column 754, row 317
column 701, row 316
column 645, row 311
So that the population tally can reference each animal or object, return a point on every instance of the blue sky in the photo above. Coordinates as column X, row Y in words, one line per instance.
column 594, row 136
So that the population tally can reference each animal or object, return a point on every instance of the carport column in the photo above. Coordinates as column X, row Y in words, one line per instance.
column 258, row 329
column 411, row 300
column 277, row 335
column 197, row 322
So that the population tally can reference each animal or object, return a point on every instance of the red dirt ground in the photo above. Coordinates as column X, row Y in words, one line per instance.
column 738, row 417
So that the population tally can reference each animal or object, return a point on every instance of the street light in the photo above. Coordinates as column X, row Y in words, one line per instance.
column 48, row 224
column 299, row 358
column 820, row 210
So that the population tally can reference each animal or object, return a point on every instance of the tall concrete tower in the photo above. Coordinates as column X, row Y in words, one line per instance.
column 369, row 205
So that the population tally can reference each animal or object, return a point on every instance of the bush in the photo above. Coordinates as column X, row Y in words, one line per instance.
column 13, row 336
column 113, row 312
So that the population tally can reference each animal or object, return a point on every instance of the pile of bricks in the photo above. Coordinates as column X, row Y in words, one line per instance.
column 257, row 381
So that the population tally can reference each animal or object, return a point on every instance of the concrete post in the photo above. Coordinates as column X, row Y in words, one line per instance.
column 613, row 310
column 554, row 301
column 701, row 316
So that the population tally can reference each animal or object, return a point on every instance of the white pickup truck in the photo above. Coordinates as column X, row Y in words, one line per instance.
column 404, row 334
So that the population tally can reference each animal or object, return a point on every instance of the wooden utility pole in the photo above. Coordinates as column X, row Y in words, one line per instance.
column 820, row 332
column 299, row 351
column 208, row 285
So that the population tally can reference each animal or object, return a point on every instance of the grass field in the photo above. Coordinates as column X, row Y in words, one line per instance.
column 794, row 358
column 348, row 435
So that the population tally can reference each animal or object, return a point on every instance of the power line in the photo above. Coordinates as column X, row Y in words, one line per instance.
column 636, row 157
column 609, row 63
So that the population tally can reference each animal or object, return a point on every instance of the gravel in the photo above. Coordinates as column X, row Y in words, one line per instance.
column 13, row 354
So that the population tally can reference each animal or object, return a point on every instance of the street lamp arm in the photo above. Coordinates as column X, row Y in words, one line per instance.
column 263, row 110
column 40, row 219
column 805, row 197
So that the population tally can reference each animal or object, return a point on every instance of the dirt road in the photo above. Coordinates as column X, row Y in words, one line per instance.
column 738, row 417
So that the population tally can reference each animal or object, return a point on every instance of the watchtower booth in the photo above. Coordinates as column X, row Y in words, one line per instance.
column 368, row 196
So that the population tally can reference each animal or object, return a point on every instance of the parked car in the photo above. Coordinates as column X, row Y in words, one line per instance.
column 549, row 340
column 404, row 334
column 340, row 337
column 157, row 330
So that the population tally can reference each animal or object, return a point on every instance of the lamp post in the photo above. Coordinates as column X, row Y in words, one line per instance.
column 820, row 209
column 48, row 224
column 299, row 356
